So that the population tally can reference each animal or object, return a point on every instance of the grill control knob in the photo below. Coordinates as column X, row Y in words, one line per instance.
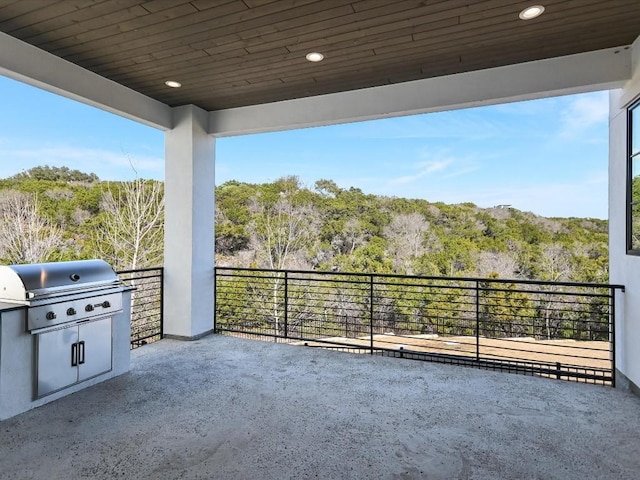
column 106, row 304
column 88, row 308
column 71, row 311
column 50, row 316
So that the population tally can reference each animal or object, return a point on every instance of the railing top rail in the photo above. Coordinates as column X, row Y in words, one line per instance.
column 429, row 277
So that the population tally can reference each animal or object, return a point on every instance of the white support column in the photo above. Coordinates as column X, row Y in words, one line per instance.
column 624, row 269
column 189, row 225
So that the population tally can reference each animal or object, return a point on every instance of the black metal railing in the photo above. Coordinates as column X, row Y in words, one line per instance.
column 561, row 330
column 146, row 304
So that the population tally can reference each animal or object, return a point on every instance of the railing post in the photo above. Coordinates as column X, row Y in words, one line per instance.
column 612, row 333
column 477, row 320
column 162, row 304
column 286, row 304
column 371, row 310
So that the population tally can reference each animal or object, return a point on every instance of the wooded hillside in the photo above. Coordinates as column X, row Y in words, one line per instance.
column 285, row 225
column 49, row 214
column 55, row 214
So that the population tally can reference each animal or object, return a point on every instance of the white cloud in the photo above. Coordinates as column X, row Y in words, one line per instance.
column 586, row 197
column 435, row 164
column 424, row 169
column 584, row 112
column 107, row 164
column 583, row 195
column 462, row 171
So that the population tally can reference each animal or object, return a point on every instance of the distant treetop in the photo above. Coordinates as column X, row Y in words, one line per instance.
column 56, row 174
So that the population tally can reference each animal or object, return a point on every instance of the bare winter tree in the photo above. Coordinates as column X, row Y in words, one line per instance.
column 282, row 233
column 353, row 235
column 497, row 264
column 555, row 266
column 555, row 263
column 131, row 234
column 25, row 236
column 409, row 237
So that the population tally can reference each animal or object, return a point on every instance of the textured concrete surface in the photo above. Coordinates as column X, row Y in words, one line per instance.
column 228, row 408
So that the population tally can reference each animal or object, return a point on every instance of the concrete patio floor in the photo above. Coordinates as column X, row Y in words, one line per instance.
column 229, row 408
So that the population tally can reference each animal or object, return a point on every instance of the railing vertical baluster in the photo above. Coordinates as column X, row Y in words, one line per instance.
column 477, row 320
column 371, row 310
column 286, row 305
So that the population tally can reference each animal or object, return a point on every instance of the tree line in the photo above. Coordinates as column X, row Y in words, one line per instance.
column 56, row 214
column 285, row 225
column 51, row 214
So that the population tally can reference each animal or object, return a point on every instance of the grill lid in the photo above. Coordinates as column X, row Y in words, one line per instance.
column 25, row 282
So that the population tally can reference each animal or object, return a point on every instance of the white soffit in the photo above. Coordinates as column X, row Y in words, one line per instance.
column 31, row 65
column 585, row 72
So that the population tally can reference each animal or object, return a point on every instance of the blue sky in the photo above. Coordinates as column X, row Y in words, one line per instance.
column 546, row 156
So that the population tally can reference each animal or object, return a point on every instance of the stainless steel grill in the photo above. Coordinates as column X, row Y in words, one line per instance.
column 69, row 309
column 62, row 292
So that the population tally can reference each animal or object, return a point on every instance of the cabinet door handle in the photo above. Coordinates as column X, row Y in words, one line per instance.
column 74, row 354
column 81, row 352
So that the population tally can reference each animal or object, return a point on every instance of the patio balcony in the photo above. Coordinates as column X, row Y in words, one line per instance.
column 226, row 407
column 223, row 407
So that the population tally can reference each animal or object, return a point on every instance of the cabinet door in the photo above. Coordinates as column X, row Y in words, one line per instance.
column 94, row 348
column 56, row 350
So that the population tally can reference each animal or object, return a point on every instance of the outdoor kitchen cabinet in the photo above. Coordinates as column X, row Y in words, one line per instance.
column 72, row 354
column 64, row 326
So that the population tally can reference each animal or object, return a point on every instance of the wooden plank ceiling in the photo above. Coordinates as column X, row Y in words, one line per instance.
column 230, row 53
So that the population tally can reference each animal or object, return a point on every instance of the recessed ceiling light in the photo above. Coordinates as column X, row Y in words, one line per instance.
column 531, row 12
column 315, row 57
column 173, row 84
